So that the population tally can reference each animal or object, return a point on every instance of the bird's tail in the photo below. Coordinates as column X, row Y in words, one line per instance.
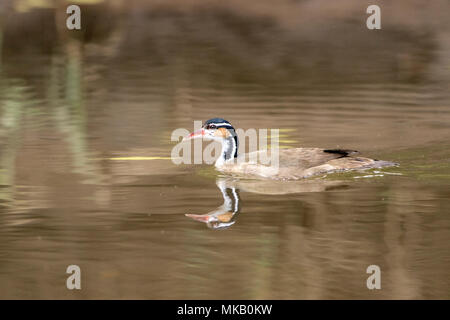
column 383, row 163
column 342, row 152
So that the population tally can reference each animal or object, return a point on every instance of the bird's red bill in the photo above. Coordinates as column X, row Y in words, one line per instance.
column 196, row 134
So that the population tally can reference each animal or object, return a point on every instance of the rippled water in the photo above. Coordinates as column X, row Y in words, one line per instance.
column 78, row 185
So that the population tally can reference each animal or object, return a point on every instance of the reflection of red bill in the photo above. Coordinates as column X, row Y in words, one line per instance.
column 196, row 134
column 199, row 217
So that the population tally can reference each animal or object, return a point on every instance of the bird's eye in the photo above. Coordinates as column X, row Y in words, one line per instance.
column 211, row 126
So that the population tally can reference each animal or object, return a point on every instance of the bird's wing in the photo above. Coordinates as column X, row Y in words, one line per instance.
column 300, row 158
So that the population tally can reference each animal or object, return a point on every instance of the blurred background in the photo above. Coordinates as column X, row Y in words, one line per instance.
column 85, row 124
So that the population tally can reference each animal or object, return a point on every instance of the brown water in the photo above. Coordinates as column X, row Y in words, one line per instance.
column 69, row 107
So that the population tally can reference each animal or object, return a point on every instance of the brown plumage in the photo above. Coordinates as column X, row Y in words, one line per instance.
column 296, row 163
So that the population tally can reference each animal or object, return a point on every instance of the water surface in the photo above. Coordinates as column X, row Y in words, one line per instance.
column 69, row 106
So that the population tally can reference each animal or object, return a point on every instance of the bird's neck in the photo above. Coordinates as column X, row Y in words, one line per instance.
column 229, row 151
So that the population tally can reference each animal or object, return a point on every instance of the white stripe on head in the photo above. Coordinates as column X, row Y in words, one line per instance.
column 221, row 124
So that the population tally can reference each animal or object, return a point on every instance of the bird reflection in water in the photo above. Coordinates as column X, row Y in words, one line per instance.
column 225, row 216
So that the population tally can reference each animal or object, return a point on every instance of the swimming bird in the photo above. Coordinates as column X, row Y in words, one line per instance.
column 290, row 164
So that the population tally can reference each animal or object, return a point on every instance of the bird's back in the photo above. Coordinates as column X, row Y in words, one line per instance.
column 297, row 163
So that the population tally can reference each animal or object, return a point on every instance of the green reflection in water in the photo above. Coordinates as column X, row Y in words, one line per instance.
column 70, row 111
column 11, row 109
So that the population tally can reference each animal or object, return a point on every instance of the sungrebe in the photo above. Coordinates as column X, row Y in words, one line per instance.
column 295, row 163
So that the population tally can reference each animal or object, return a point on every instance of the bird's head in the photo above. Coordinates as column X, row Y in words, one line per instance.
column 220, row 130
column 217, row 129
